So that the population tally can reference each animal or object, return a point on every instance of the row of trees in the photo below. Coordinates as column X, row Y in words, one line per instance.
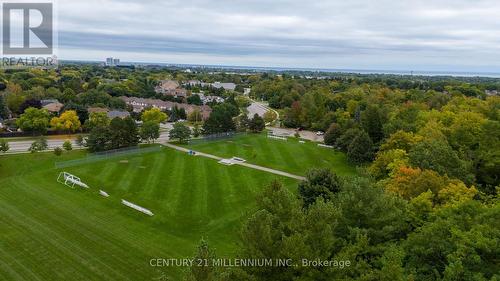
column 38, row 120
column 119, row 133
column 106, row 134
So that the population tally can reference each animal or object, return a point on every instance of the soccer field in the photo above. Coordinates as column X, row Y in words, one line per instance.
column 49, row 231
column 289, row 156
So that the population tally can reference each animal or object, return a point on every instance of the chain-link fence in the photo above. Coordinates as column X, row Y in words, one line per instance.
column 214, row 137
column 105, row 155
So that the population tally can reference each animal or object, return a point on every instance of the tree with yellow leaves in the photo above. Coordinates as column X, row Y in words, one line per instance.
column 155, row 115
column 68, row 121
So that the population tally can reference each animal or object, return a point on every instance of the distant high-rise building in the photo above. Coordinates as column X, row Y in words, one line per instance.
column 112, row 61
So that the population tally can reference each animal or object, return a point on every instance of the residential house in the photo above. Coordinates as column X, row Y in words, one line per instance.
column 52, row 105
column 166, row 85
column 177, row 93
column 110, row 113
column 97, row 109
column 226, row 86
column 210, row 99
column 118, row 113
column 171, row 88
column 491, row 92
column 139, row 104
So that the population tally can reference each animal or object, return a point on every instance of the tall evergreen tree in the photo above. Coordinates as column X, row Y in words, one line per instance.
column 360, row 150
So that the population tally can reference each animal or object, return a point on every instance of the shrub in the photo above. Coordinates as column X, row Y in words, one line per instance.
column 67, row 145
column 4, row 146
column 38, row 145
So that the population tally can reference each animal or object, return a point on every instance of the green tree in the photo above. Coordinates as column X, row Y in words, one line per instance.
column 67, row 145
column 269, row 116
column 319, row 183
column 195, row 116
column 58, row 151
column 34, row 120
column 194, row 99
column 372, row 120
column 80, row 141
column 123, row 133
column 203, row 268
column 346, row 138
column 265, row 232
column 360, row 150
column 4, row 145
column 4, row 110
column 97, row 119
column 99, row 139
column 39, row 145
column 256, row 124
column 387, row 162
column 196, row 130
column 180, row 132
column 459, row 244
column 242, row 123
column 440, row 157
column 332, row 134
column 220, row 120
column 292, row 116
column 150, row 131
column 14, row 97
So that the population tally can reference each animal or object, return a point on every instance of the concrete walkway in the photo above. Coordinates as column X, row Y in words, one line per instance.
column 248, row 165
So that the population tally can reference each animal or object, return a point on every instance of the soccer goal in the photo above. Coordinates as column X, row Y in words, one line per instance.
column 70, row 180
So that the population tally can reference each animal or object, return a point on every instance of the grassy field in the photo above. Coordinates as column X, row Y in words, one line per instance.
column 289, row 156
column 51, row 232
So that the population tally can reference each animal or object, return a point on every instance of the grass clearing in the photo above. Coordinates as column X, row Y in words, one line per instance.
column 52, row 232
column 289, row 156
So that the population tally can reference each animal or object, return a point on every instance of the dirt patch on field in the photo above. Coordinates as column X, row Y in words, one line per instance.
column 123, row 161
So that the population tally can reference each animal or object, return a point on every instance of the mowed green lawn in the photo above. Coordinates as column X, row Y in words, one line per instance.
column 289, row 156
column 51, row 232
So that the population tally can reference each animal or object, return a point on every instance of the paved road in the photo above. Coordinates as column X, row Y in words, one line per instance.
column 22, row 146
column 248, row 165
column 260, row 108
column 256, row 108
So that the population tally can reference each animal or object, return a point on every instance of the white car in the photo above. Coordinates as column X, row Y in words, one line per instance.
column 320, row 133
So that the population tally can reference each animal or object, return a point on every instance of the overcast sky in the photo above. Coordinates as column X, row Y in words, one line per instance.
column 448, row 35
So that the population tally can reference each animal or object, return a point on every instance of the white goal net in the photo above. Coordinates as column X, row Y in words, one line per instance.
column 70, row 180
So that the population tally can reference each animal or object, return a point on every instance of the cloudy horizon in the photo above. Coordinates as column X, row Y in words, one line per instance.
column 422, row 35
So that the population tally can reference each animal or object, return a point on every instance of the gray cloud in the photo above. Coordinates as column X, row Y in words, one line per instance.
column 420, row 34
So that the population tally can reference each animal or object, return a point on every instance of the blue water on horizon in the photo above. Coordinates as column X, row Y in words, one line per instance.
column 326, row 70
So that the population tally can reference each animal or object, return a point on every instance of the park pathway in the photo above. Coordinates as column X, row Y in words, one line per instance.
column 248, row 165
